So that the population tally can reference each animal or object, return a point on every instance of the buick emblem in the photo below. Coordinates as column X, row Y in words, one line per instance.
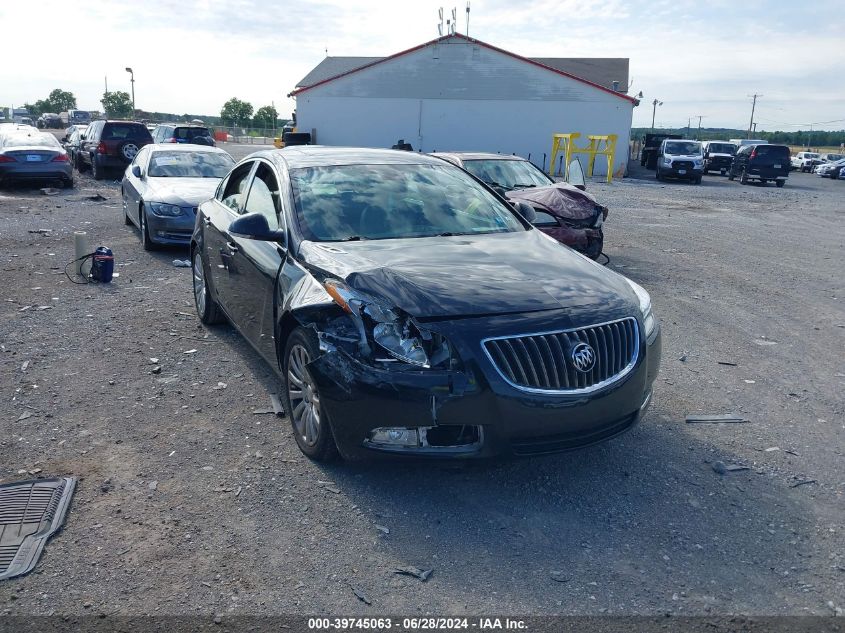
column 583, row 357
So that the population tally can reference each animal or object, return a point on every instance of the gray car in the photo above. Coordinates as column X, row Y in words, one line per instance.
column 163, row 186
column 27, row 154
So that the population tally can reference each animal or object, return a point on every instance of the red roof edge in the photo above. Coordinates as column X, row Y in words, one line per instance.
column 621, row 95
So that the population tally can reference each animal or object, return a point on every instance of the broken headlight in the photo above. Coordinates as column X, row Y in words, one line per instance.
column 390, row 329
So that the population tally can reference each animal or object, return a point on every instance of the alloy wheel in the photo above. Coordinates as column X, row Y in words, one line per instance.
column 199, row 284
column 303, row 396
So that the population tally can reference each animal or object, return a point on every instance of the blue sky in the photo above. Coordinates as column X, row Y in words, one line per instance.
column 699, row 58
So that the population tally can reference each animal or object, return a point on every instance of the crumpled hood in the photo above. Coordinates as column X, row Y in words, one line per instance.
column 561, row 198
column 183, row 192
column 500, row 273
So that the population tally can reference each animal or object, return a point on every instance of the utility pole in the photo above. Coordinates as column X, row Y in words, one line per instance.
column 698, row 136
column 655, row 103
column 132, row 81
column 753, row 105
column 689, row 122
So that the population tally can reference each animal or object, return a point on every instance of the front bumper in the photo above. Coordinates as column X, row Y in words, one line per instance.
column 358, row 398
column 681, row 171
column 589, row 241
column 172, row 230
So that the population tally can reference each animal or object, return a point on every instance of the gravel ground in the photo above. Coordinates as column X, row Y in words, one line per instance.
column 192, row 501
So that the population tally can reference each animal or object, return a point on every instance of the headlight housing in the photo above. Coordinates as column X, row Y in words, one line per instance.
column 165, row 210
column 649, row 322
column 667, row 161
column 698, row 162
column 390, row 329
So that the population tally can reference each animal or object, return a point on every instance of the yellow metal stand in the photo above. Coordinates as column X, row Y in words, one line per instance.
column 600, row 145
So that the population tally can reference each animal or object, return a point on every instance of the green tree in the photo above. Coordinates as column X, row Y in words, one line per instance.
column 33, row 109
column 236, row 111
column 61, row 100
column 117, row 105
column 266, row 116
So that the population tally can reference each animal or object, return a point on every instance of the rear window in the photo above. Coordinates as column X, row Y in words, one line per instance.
column 120, row 131
column 773, row 150
column 190, row 133
column 26, row 140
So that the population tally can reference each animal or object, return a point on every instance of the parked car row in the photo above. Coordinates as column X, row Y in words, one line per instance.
column 111, row 144
column 690, row 160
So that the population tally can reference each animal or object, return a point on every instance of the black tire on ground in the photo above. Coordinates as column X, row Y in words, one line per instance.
column 698, row 180
column 96, row 170
column 68, row 183
column 657, row 174
column 706, row 171
column 731, row 175
column 146, row 240
column 126, row 219
column 309, row 421
column 780, row 183
column 207, row 307
column 78, row 163
column 723, row 172
column 743, row 177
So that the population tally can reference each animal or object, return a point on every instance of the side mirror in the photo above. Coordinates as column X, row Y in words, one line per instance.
column 137, row 172
column 64, row 139
column 254, row 226
column 525, row 210
column 575, row 175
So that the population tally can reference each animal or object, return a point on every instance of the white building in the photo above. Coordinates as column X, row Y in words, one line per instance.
column 459, row 94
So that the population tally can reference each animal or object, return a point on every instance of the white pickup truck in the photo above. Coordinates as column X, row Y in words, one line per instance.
column 805, row 161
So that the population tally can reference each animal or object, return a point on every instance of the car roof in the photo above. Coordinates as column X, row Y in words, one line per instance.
column 185, row 125
column 477, row 156
column 298, row 156
column 177, row 147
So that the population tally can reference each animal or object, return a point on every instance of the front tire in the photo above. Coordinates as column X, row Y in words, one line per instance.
column 743, row 177
column 207, row 307
column 780, row 183
column 308, row 418
column 146, row 240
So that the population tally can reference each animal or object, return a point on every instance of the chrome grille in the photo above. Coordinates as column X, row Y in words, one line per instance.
column 542, row 362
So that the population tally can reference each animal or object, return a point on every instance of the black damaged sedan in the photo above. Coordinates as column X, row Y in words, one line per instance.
column 409, row 309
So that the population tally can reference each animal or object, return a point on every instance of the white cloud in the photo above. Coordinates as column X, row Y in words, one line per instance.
column 191, row 56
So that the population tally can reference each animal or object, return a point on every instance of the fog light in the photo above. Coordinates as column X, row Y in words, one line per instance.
column 395, row 436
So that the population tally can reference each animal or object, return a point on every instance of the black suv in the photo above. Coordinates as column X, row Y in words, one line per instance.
column 176, row 133
column 762, row 162
column 110, row 144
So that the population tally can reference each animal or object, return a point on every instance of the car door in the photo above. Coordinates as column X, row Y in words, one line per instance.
column 135, row 187
column 254, row 264
column 89, row 145
column 225, row 207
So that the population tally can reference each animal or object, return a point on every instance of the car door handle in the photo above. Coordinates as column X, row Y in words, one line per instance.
column 233, row 248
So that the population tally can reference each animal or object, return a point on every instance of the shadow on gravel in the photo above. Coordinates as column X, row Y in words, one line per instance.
column 646, row 508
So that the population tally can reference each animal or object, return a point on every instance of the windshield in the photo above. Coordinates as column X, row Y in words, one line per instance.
column 683, row 148
column 189, row 165
column 35, row 140
column 508, row 174
column 721, row 148
column 349, row 202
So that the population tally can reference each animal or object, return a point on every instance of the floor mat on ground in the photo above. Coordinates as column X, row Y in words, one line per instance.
column 30, row 513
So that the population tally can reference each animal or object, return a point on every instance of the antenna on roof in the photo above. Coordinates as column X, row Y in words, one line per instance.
column 440, row 26
column 467, row 18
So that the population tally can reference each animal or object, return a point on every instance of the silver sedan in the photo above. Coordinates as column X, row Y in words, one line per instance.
column 164, row 185
column 27, row 154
